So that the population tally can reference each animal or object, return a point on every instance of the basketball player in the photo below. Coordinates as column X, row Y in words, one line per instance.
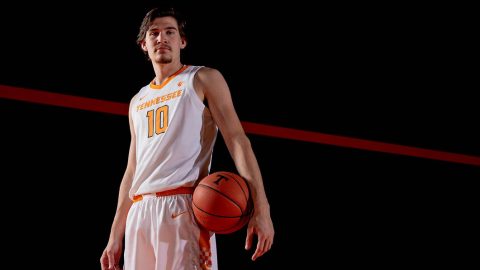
column 173, row 124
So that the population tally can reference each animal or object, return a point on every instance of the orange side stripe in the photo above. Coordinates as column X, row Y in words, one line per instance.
column 205, row 251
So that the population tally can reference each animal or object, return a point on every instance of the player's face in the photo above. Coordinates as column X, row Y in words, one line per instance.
column 163, row 42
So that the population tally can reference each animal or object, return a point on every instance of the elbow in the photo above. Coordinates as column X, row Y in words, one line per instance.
column 244, row 141
column 240, row 141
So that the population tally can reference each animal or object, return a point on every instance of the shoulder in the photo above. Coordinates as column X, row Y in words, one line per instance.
column 206, row 75
column 208, row 72
column 209, row 83
column 142, row 91
column 134, row 98
column 130, row 104
column 138, row 94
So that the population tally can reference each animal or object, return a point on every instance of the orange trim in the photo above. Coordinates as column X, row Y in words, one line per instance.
column 154, row 86
column 170, row 192
column 205, row 251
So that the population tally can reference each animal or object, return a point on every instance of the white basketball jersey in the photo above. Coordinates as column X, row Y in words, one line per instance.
column 175, row 134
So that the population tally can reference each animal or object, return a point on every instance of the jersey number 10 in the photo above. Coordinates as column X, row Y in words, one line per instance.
column 157, row 120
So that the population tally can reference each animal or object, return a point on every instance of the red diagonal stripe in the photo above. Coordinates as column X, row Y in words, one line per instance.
column 48, row 98
column 317, row 137
column 96, row 105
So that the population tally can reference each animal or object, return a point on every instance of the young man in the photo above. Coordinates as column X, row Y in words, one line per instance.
column 173, row 125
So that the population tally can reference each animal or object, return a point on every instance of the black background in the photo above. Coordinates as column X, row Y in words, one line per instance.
column 400, row 74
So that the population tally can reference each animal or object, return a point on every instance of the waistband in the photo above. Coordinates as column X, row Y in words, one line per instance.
column 175, row 191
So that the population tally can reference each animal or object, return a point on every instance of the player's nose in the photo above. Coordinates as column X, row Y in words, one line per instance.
column 161, row 38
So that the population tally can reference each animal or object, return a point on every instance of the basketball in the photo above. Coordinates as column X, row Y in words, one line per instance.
column 221, row 202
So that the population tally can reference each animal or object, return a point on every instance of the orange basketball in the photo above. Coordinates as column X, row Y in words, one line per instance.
column 221, row 202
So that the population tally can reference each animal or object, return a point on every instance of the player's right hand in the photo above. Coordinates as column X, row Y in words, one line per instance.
column 110, row 259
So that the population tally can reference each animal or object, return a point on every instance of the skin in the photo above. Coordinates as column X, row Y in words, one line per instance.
column 163, row 44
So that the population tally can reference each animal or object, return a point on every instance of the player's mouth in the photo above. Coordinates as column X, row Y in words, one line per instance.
column 163, row 49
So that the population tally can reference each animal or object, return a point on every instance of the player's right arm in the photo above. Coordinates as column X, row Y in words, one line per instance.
column 111, row 255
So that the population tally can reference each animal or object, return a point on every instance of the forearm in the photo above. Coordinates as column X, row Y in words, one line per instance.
column 123, row 206
column 247, row 166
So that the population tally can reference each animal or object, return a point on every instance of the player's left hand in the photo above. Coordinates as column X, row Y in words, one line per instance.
column 261, row 225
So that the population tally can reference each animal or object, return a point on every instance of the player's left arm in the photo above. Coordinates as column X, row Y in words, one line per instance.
column 211, row 85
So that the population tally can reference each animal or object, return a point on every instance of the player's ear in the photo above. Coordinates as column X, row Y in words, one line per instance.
column 183, row 44
column 144, row 45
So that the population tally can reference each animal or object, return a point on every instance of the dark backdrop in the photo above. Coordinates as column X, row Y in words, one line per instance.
column 398, row 74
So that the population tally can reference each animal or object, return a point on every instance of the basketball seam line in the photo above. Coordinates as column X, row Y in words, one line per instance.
column 223, row 196
column 196, row 206
column 236, row 181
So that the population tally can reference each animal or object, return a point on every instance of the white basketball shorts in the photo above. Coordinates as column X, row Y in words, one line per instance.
column 161, row 234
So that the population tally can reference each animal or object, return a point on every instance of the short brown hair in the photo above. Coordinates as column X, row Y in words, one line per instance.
column 158, row 13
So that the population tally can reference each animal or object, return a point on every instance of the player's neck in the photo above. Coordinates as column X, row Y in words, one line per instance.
column 164, row 71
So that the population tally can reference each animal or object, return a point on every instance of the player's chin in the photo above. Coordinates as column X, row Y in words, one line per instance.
column 163, row 59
